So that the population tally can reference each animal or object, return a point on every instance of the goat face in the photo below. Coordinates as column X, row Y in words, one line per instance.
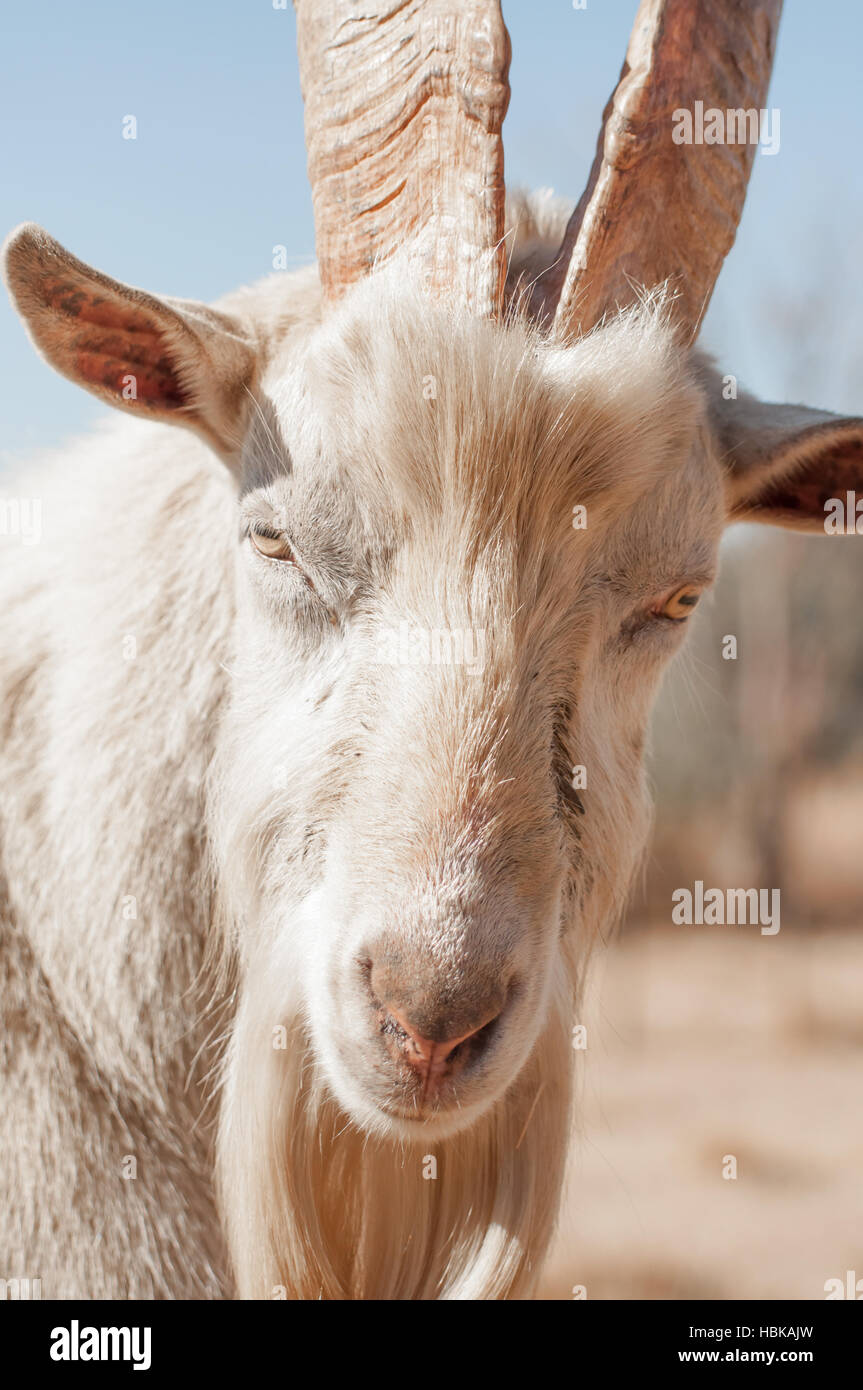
column 466, row 554
column 428, row 648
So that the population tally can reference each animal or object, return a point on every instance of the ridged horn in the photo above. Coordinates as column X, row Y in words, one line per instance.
column 655, row 209
column 404, row 104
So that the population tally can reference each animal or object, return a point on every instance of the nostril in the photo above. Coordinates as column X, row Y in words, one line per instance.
column 481, row 1036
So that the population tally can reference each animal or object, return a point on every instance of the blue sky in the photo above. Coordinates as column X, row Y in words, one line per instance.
column 216, row 177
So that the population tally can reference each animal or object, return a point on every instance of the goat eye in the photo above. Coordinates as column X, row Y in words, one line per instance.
column 274, row 546
column 678, row 606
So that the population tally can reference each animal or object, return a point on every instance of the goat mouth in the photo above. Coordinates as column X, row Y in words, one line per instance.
column 427, row 1115
column 416, row 1117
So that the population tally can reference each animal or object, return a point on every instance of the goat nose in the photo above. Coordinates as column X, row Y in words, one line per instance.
column 432, row 1059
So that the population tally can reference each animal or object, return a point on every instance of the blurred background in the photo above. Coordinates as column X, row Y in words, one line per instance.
column 703, row 1042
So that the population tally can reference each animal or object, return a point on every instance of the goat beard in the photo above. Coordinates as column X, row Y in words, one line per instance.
column 313, row 1207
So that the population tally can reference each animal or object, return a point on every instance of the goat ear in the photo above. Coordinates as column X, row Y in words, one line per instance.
column 166, row 359
column 786, row 463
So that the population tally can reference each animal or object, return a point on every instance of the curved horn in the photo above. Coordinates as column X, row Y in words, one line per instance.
column 404, row 104
column 654, row 209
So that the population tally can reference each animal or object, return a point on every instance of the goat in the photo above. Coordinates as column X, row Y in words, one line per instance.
column 295, row 902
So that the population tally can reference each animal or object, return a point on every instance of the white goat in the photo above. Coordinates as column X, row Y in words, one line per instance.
column 213, row 744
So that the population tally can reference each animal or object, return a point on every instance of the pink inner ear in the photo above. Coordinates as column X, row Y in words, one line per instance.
column 835, row 471
column 117, row 340
column 78, row 299
column 154, row 383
